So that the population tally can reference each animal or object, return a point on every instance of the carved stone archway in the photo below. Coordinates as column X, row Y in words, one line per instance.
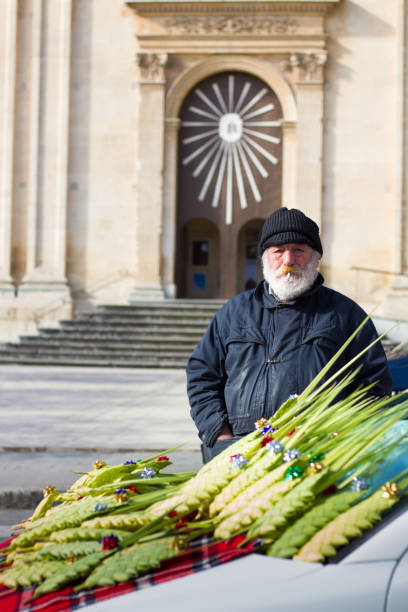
column 175, row 97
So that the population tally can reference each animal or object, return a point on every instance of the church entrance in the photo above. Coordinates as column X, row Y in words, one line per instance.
column 229, row 181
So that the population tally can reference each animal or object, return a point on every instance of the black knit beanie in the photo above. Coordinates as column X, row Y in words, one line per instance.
column 289, row 225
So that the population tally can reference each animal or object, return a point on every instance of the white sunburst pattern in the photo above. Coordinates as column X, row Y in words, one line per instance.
column 230, row 140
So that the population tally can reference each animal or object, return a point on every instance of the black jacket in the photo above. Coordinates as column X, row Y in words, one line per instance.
column 257, row 351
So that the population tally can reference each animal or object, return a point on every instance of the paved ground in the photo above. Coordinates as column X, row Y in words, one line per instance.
column 55, row 421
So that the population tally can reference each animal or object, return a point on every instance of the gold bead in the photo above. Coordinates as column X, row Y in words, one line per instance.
column 316, row 466
column 390, row 490
column 48, row 490
column 176, row 544
column 261, row 423
column 121, row 497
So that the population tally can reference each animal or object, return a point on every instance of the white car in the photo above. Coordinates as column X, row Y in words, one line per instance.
column 370, row 575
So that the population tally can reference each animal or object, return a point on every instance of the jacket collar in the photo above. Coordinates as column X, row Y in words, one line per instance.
column 268, row 300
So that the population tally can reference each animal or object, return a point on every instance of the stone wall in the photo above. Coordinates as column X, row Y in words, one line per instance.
column 89, row 128
column 364, row 203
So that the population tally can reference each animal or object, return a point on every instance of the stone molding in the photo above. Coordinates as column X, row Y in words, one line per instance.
column 311, row 7
column 225, row 24
column 243, row 27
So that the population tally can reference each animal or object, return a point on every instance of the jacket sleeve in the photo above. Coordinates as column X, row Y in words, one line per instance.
column 205, row 384
column 374, row 364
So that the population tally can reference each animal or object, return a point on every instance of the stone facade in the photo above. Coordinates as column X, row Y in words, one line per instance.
column 90, row 100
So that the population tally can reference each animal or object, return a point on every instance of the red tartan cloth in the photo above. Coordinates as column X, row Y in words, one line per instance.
column 201, row 554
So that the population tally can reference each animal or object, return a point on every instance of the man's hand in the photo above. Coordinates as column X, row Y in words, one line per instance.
column 225, row 433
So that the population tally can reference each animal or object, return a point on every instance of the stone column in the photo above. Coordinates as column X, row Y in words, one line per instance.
column 49, row 134
column 7, row 106
column 172, row 126
column 150, row 177
column 308, row 69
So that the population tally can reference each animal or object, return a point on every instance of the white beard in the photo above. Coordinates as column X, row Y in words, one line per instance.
column 288, row 286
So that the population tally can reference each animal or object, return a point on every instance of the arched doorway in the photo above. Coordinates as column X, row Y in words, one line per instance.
column 249, row 269
column 229, row 164
column 201, row 278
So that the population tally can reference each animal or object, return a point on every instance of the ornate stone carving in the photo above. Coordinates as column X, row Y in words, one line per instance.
column 308, row 64
column 231, row 25
column 152, row 66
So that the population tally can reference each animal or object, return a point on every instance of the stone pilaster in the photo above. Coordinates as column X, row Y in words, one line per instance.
column 150, row 173
column 172, row 126
column 7, row 106
column 49, row 133
column 308, row 70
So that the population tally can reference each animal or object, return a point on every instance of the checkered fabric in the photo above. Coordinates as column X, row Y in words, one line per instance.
column 201, row 554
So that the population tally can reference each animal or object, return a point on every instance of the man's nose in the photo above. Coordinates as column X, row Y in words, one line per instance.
column 288, row 257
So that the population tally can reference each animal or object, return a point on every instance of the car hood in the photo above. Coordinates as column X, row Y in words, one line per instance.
column 258, row 583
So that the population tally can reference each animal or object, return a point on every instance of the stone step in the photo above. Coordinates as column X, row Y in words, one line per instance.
column 82, row 360
column 172, row 314
column 109, row 340
column 148, row 334
column 205, row 306
column 155, row 331
column 145, row 322
column 100, row 349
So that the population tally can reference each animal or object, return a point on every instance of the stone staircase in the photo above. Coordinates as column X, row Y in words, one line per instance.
column 149, row 335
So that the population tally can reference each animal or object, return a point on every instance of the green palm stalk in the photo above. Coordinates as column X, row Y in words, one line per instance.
column 306, row 421
column 354, row 450
column 350, row 524
column 103, row 474
column 131, row 562
column 310, row 523
column 253, row 481
column 64, row 516
column 239, row 521
column 82, row 533
column 327, row 508
column 23, row 574
column 68, row 574
column 251, row 503
column 130, row 521
column 201, row 490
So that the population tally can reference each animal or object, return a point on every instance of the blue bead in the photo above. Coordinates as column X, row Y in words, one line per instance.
column 359, row 484
column 291, row 454
column 274, row 447
column 100, row 507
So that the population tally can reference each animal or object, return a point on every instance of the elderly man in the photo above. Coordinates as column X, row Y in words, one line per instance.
column 269, row 342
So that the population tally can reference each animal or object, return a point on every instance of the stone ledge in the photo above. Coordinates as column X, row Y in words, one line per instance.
column 199, row 6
